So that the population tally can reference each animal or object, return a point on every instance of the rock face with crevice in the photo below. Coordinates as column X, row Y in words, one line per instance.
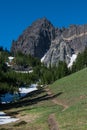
column 42, row 38
column 58, row 52
column 36, row 39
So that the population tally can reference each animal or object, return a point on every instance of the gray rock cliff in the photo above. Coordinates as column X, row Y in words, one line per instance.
column 69, row 41
column 36, row 39
column 42, row 38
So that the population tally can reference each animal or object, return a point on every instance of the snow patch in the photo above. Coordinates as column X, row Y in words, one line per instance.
column 4, row 119
column 30, row 71
column 23, row 91
column 7, row 98
column 10, row 58
column 2, row 113
column 72, row 59
column 42, row 59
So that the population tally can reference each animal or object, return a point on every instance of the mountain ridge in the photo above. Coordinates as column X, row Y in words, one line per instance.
column 42, row 38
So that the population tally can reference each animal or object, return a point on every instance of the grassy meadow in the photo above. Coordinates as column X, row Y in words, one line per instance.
column 66, row 98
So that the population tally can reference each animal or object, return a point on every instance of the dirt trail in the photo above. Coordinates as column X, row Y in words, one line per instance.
column 55, row 101
column 52, row 122
column 59, row 103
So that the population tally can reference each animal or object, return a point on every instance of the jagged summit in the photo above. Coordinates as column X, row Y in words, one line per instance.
column 42, row 39
column 36, row 39
column 41, row 21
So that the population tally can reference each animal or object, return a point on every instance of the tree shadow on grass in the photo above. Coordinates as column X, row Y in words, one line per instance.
column 30, row 99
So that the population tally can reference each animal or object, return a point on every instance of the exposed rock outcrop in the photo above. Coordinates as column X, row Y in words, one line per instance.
column 69, row 41
column 60, row 51
column 42, row 38
column 36, row 39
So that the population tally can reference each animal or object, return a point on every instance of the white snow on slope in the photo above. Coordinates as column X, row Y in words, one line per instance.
column 42, row 59
column 10, row 58
column 7, row 98
column 6, row 119
column 30, row 71
column 72, row 59
column 23, row 91
column 2, row 113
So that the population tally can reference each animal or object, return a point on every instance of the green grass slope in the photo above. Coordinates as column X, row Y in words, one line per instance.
column 73, row 91
column 73, row 87
column 66, row 99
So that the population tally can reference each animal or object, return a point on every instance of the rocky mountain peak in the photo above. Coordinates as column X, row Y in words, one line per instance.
column 43, row 40
column 36, row 39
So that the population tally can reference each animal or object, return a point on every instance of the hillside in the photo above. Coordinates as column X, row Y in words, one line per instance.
column 72, row 87
column 61, row 105
column 73, row 91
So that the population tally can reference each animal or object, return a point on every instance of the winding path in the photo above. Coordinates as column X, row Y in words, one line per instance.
column 53, row 124
column 55, row 101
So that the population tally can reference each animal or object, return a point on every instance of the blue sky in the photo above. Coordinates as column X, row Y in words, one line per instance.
column 17, row 15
